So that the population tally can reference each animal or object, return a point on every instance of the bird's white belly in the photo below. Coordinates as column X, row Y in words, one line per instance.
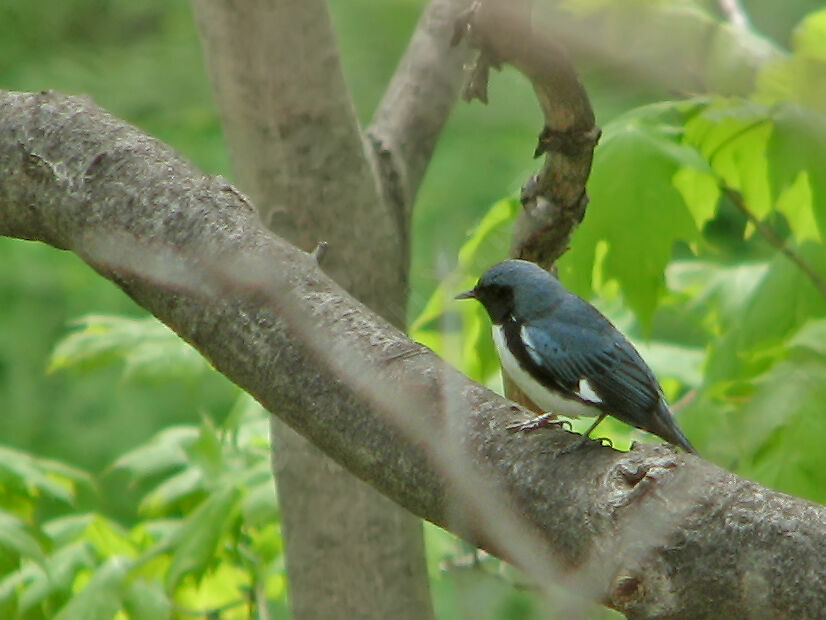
column 547, row 400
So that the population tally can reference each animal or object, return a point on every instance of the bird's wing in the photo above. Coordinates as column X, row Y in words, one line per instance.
column 592, row 363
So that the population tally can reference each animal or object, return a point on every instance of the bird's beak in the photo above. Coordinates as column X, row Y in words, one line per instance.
column 471, row 294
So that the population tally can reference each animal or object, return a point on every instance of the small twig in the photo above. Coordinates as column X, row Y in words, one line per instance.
column 773, row 238
column 687, row 399
column 735, row 13
column 320, row 251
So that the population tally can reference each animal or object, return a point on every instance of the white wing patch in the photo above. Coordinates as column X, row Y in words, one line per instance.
column 546, row 399
column 587, row 393
column 529, row 345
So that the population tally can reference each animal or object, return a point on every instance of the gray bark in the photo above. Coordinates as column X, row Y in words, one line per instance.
column 416, row 105
column 650, row 532
column 297, row 150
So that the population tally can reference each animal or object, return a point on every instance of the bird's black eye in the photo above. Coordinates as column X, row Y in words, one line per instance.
column 498, row 301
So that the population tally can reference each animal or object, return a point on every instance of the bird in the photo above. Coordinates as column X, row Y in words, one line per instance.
column 566, row 356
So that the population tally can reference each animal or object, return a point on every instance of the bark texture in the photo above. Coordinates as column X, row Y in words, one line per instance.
column 554, row 198
column 417, row 104
column 297, row 150
column 650, row 532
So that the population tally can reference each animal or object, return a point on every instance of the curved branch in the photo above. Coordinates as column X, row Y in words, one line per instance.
column 649, row 532
column 554, row 199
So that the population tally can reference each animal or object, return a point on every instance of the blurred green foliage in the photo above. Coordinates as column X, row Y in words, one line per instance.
column 135, row 480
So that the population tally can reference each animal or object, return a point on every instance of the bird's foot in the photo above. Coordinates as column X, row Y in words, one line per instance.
column 603, row 441
column 547, row 420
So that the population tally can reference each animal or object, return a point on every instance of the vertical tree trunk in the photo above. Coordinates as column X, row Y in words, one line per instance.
column 297, row 150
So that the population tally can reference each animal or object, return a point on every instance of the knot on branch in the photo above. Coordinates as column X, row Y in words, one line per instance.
column 569, row 142
column 638, row 476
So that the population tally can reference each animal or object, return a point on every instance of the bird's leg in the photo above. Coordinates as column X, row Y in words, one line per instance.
column 600, row 418
column 587, row 435
column 546, row 420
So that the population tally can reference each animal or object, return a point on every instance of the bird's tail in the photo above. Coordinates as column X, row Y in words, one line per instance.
column 664, row 425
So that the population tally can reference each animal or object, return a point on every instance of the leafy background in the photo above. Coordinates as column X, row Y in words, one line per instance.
column 134, row 480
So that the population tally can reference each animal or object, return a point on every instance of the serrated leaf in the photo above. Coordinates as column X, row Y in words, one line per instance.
column 225, row 584
column 100, row 599
column 200, row 534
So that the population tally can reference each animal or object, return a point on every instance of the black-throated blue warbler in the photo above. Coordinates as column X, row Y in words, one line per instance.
column 566, row 356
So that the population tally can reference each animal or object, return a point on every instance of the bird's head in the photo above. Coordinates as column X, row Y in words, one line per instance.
column 513, row 285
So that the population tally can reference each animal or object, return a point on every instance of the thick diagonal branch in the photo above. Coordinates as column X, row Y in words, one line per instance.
column 649, row 532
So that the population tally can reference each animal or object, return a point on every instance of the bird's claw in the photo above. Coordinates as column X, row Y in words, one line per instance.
column 603, row 441
column 542, row 421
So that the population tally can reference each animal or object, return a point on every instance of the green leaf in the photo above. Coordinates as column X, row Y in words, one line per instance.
column 490, row 238
column 25, row 474
column 700, row 191
column 783, row 301
column 781, row 429
column 144, row 600
column 61, row 569
column 206, row 452
column 244, row 410
column 108, row 538
column 165, row 451
column 795, row 203
column 14, row 537
column 260, row 505
column 200, row 535
column 101, row 597
column 266, row 542
column 733, row 135
column 669, row 360
column 798, row 145
column 462, row 335
column 811, row 336
column 172, row 490
column 636, row 210
column 221, row 586
column 149, row 348
column 810, row 36
column 64, row 530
